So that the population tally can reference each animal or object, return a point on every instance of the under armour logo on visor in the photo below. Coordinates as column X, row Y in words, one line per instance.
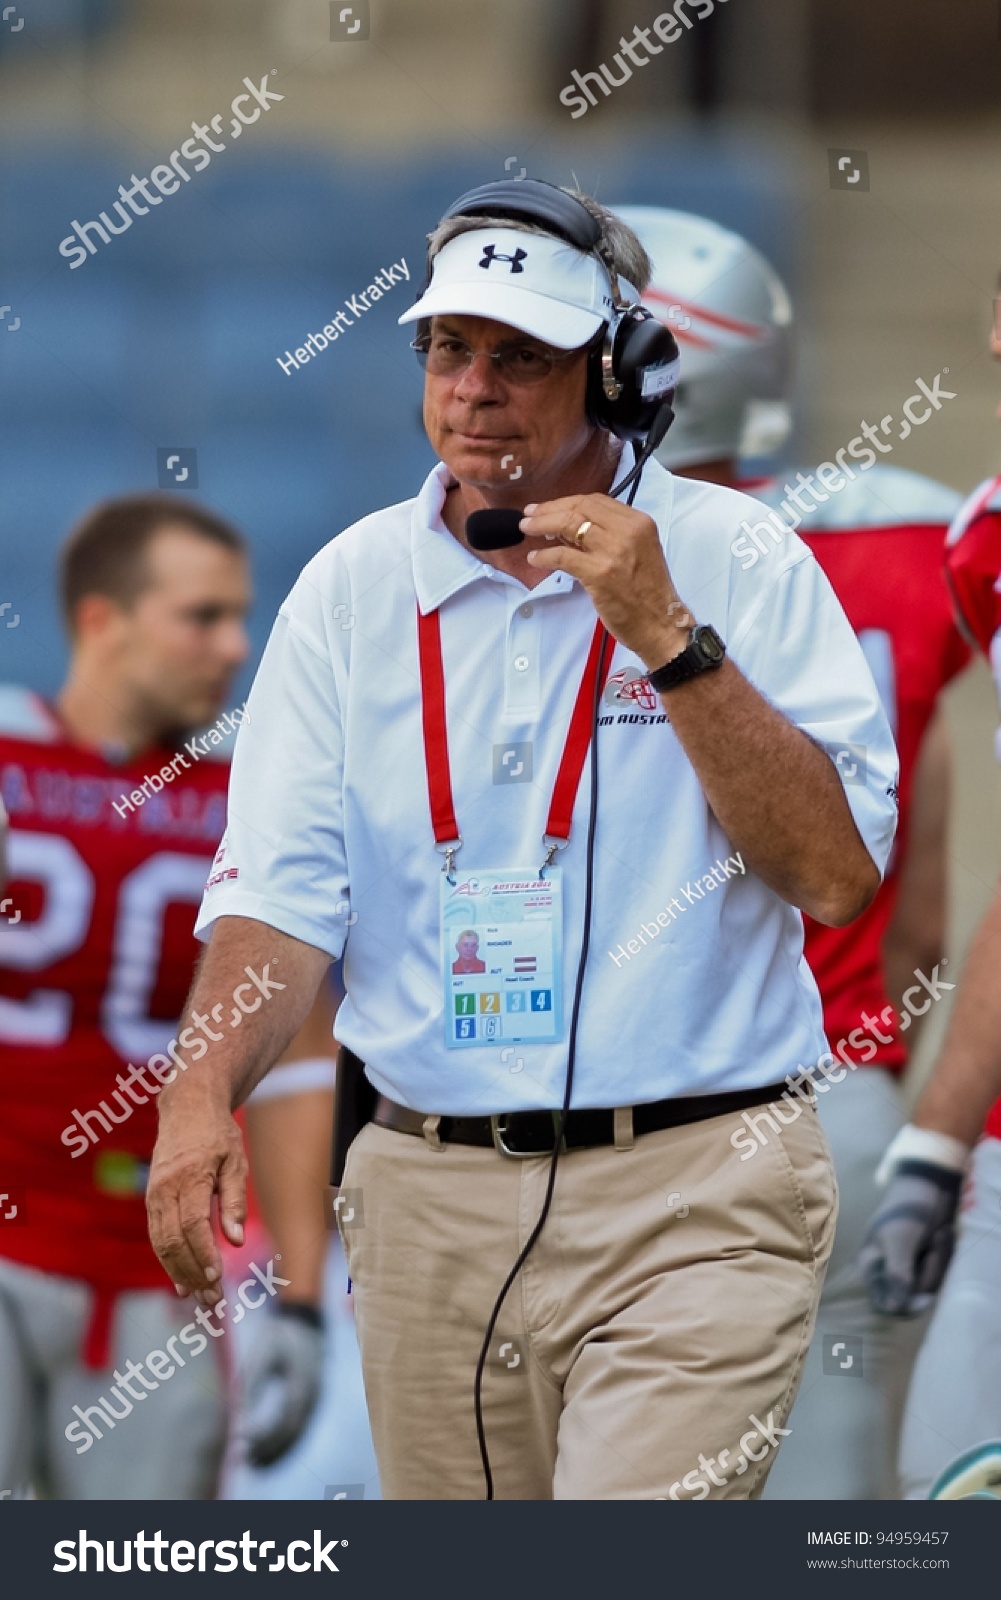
column 490, row 255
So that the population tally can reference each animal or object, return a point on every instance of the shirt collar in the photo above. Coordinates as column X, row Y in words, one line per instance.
column 442, row 566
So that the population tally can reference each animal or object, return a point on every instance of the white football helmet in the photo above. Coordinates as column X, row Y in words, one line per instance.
column 732, row 318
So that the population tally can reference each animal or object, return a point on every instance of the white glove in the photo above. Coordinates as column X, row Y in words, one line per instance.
column 282, row 1380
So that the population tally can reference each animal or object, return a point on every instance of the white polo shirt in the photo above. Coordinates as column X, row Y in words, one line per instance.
column 329, row 834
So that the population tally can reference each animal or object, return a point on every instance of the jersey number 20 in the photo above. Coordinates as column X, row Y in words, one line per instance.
column 45, row 1017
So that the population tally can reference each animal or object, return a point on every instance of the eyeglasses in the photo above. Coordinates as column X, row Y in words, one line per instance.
column 446, row 357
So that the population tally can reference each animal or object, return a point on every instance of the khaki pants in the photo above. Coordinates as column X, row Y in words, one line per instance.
column 652, row 1344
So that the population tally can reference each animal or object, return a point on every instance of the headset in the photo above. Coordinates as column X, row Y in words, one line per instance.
column 632, row 373
column 633, row 366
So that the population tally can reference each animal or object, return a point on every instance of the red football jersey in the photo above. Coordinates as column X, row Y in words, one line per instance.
column 879, row 540
column 973, row 569
column 96, row 957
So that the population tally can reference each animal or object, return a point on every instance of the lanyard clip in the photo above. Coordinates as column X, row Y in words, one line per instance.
column 449, row 852
column 552, row 845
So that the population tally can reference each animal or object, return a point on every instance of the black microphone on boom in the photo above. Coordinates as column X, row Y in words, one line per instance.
column 495, row 528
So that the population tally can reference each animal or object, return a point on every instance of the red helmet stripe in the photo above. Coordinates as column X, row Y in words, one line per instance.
column 751, row 330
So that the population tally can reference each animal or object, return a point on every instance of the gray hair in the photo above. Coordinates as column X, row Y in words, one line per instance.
column 619, row 247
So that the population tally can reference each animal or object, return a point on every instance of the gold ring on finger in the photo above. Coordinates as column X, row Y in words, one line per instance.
column 579, row 535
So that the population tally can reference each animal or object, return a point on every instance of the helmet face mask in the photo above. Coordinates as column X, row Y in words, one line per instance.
column 732, row 318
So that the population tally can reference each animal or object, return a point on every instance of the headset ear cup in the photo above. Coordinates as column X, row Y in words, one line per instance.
column 641, row 342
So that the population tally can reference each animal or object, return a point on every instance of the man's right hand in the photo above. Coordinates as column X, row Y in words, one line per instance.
column 199, row 1149
column 199, row 1154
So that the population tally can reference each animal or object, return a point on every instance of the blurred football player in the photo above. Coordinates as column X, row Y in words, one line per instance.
column 954, row 1401
column 115, row 807
column 879, row 539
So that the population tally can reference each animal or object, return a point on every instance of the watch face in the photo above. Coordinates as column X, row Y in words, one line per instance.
column 710, row 645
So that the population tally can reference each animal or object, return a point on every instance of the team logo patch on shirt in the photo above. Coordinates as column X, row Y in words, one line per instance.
column 629, row 685
column 631, row 697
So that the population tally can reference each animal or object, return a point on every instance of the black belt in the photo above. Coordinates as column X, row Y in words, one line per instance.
column 533, row 1133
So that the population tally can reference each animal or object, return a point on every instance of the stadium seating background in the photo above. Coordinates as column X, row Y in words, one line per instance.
column 169, row 335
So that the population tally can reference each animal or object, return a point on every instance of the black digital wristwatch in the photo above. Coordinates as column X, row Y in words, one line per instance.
column 705, row 651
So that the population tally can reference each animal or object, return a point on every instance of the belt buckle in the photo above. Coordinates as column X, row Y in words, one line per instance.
column 498, row 1129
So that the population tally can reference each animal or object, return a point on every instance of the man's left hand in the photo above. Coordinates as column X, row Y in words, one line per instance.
column 620, row 561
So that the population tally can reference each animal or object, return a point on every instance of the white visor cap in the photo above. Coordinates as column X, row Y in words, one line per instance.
column 532, row 282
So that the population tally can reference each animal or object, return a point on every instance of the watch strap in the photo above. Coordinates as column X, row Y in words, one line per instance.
column 689, row 663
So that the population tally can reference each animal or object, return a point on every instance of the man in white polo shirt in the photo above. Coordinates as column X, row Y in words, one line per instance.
column 420, row 763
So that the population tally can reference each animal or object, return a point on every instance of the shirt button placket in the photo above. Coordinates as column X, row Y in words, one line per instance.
column 521, row 675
